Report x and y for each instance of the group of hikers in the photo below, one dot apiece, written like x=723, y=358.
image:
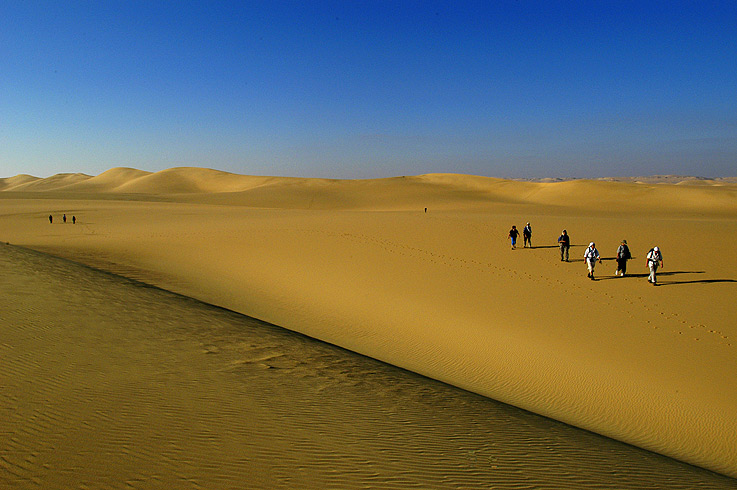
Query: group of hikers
x=591, y=256
x=63, y=218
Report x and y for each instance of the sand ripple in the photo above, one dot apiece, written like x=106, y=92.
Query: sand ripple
x=109, y=383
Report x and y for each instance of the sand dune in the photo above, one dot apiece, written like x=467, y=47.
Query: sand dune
x=107, y=384
x=12, y=182
x=54, y=183
x=109, y=181
x=360, y=264
x=446, y=191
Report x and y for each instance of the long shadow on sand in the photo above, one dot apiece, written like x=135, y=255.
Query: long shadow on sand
x=702, y=281
x=672, y=273
x=555, y=246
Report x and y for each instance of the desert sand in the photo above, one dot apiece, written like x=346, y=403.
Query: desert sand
x=362, y=265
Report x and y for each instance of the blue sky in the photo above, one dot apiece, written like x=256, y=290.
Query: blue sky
x=362, y=89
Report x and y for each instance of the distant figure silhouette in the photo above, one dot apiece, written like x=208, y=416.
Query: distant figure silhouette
x=426, y=210
x=64, y=218
x=74, y=220
x=51, y=219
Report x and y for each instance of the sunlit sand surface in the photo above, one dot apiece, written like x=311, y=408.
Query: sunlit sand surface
x=361, y=265
x=110, y=383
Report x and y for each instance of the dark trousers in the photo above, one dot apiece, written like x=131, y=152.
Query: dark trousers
x=564, y=250
x=622, y=265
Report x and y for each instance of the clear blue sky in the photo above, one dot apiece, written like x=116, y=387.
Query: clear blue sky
x=357, y=89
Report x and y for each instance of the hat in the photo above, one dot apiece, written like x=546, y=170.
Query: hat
x=656, y=249
x=624, y=241
x=564, y=232
x=592, y=244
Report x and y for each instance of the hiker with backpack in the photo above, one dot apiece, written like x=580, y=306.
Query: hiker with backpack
x=591, y=256
x=654, y=260
x=527, y=235
x=623, y=255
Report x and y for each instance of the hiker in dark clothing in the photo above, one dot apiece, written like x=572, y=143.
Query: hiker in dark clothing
x=623, y=255
x=527, y=235
x=51, y=219
x=565, y=244
x=513, y=234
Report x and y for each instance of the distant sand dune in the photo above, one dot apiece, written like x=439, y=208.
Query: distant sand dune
x=54, y=183
x=109, y=181
x=360, y=264
x=438, y=191
x=12, y=182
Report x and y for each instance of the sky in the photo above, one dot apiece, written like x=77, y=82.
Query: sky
x=367, y=89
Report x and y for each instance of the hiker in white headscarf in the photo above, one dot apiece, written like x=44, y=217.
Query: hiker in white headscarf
x=654, y=259
x=591, y=256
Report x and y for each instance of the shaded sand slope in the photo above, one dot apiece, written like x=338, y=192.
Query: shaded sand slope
x=442, y=294
x=107, y=383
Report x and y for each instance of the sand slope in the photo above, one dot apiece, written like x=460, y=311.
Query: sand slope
x=60, y=181
x=12, y=182
x=108, y=384
x=360, y=264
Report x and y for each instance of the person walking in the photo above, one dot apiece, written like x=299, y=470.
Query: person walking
x=591, y=256
x=564, y=241
x=527, y=235
x=64, y=218
x=513, y=234
x=51, y=219
x=74, y=220
x=654, y=260
x=623, y=255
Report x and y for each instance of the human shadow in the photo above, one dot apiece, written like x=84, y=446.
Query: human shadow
x=668, y=273
x=553, y=246
x=700, y=281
